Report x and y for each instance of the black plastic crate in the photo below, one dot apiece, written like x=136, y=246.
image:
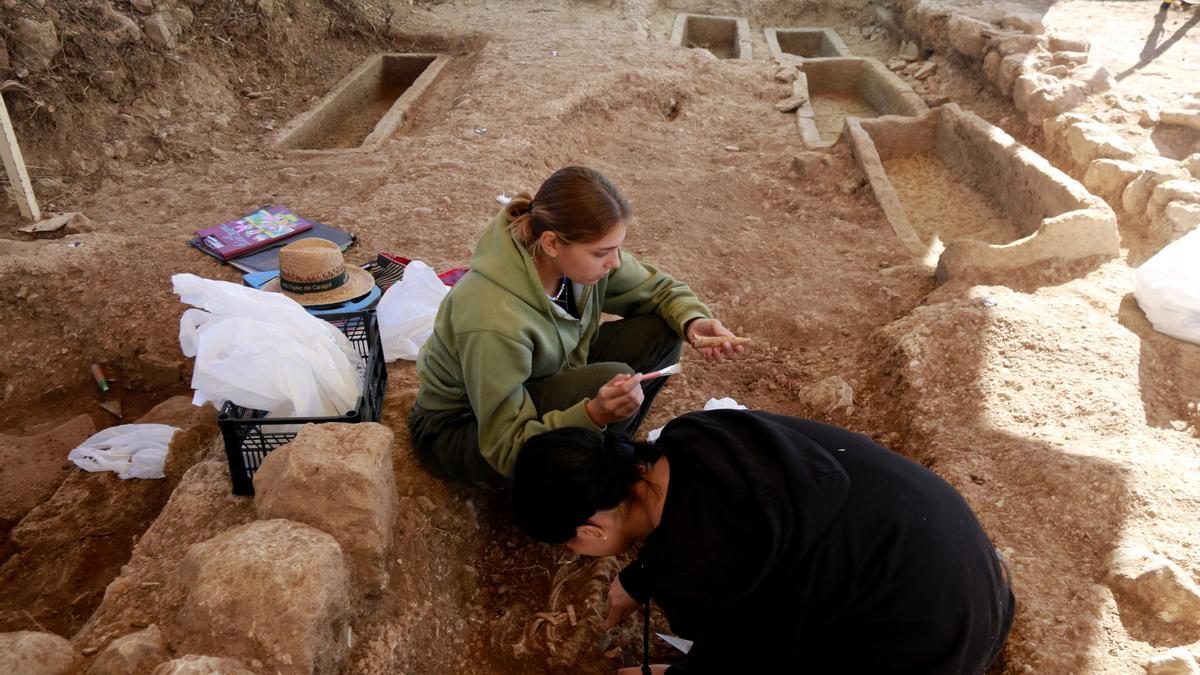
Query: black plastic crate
x=250, y=436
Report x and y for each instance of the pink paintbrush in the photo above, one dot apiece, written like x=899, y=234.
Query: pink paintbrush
x=669, y=370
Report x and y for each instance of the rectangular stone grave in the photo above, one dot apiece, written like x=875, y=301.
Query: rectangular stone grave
x=807, y=43
x=838, y=88
x=964, y=195
x=727, y=37
x=366, y=107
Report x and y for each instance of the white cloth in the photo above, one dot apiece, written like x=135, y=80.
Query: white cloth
x=712, y=404
x=131, y=450
x=264, y=351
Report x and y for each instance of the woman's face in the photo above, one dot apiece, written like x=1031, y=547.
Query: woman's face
x=589, y=263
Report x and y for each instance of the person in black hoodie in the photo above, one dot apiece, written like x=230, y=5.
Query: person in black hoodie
x=776, y=544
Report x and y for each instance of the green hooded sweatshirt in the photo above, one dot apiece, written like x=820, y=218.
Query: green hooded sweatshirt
x=497, y=331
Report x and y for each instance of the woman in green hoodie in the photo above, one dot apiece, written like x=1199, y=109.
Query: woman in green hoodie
x=518, y=347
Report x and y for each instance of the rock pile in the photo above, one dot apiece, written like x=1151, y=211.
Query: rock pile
x=1047, y=76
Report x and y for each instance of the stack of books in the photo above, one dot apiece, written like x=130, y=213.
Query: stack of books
x=251, y=243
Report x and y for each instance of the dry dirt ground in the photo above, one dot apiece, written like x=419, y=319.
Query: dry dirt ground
x=1065, y=420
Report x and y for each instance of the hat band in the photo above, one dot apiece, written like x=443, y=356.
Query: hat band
x=314, y=286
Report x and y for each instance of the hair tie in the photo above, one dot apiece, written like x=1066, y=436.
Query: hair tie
x=626, y=450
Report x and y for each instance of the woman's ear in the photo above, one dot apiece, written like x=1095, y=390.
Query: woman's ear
x=590, y=532
x=550, y=243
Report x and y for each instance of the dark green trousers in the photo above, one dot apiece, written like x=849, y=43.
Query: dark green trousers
x=447, y=441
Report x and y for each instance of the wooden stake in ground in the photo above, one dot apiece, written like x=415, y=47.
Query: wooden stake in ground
x=14, y=166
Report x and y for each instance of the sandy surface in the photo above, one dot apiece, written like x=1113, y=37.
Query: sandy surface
x=942, y=207
x=831, y=111
x=1146, y=50
x=1064, y=419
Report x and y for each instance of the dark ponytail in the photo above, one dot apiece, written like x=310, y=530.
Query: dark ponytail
x=563, y=477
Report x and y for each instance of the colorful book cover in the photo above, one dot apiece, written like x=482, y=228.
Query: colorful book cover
x=252, y=232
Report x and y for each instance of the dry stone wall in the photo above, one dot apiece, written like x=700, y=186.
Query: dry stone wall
x=338, y=479
x=227, y=584
x=1048, y=76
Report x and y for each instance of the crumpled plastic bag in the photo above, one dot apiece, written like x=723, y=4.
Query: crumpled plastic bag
x=263, y=351
x=712, y=404
x=131, y=450
x=1167, y=288
x=407, y=310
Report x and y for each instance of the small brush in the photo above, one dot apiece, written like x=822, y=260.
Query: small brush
x=669, y=370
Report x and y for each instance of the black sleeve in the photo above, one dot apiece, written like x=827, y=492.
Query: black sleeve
x=636, y=581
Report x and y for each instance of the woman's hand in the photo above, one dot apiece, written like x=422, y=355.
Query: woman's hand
x=616, y=401
x=620, y=604
x=712, y=328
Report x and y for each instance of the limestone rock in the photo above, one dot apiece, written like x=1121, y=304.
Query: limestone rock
x=1177, y=661
x=1182, y=116
x=134, y=654
x=808, y=163
x=31, y=653
x=1180, y=189
x=1089, y=141
x=1175, y=220
x=1057, y=72
x=1094, y=77
x=830, y=394
x=1010, y=44
x=909, y=51
x=967, y=36
x=143, y=6
x=1149, y=114
x=200, y=508
x=1068, y=58
x=791, y=103
x=1068, y=43
x=124, y=30
x=1012, y=67
x=1144, y=581
x=1192, y=163
x=1028, y=83
x=1053, y=100
x=1026, y=23
x=1107, y=178
x=202, y=665
x=1137, y=194
x=1054, y=130
x=272, y=590
x=35, y=44
x=991, y=67
x=183, y=15
x=162, y=29
x=927, y=69
x=787, y=74
x=337, y=478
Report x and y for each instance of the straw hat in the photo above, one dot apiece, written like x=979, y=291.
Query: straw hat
x=313, y=272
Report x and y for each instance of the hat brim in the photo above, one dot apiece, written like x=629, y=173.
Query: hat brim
x=360, y=283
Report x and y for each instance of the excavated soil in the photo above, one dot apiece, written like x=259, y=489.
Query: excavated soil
x=941, y=205
x=831, y=110
x=1065, y=420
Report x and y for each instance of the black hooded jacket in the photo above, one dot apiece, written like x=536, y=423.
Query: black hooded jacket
x=788, y=545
